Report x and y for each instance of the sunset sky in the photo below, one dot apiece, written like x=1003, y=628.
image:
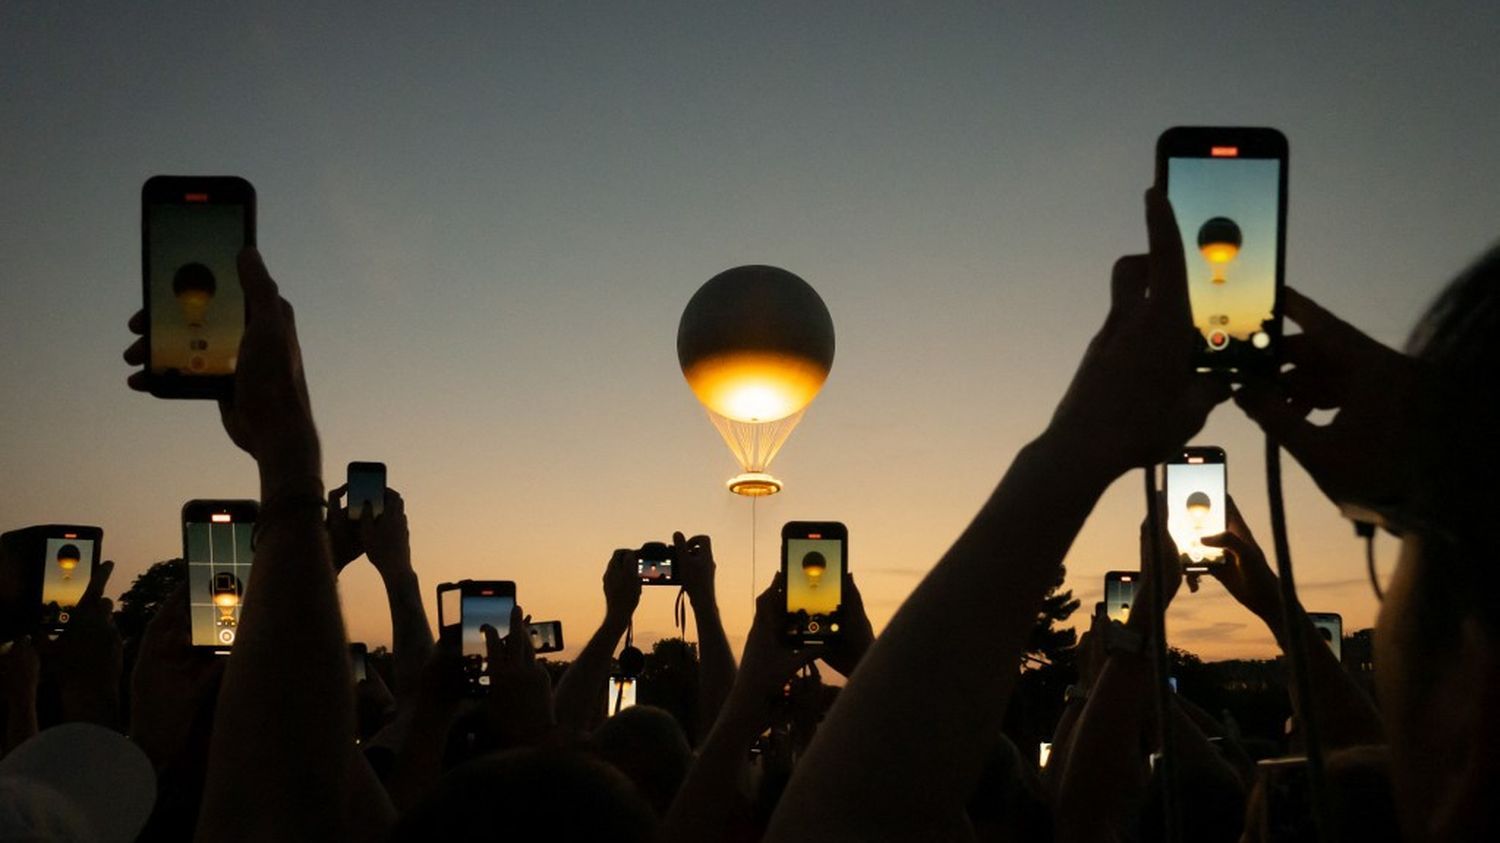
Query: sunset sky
x=490, y=219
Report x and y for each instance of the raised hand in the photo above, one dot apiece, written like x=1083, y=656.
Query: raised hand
x=695, y=568
x=844, y=652
x=88, y=659
x=268, y=415
x=387, y=540
x=20, y=672
x=1364, y=457
x=343, y=532
x=1135, y=396
x=622, y=586
x=768, y=662
x=520, y=698
x=1244, y=571
x=172, y=681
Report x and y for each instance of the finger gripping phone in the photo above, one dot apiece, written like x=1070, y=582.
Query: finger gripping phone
x=44, y=571
x=464, y=607
x=218, y=542
x=1119, y=594
x=366, y=489
x=814, y=558
x=1196, y=488
x=655, y=562
x=192, y=231
x=1228, y=188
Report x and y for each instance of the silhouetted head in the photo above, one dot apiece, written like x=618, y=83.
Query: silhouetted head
x=647, y=745
x=532, y=793
x=1438, y=634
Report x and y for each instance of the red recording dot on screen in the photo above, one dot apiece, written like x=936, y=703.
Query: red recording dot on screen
x=70, y=535
x=1224, y=151
x=815, y=535
x=195, y=197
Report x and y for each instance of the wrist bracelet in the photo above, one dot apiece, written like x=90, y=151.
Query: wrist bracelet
x=305, y=494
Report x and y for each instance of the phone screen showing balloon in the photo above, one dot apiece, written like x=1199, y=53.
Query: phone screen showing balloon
x=218, y=538
x=1227, y=189
x=813, y=564
x=1119, y=594
x=68, y=559
x=1196, y=504
x=193, y=232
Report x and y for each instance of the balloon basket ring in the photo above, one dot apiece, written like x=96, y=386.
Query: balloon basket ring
x=754, y=484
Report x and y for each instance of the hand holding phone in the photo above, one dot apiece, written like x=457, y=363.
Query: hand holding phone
x=466, y=606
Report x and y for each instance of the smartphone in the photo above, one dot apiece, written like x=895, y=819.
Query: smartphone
x=218, y=542
x=1330, y=626
x=621, y=694
x=1197, y=484
x=546, y=636
x=43, y=573
x=366, y=488
x=192, y=231
x=359, y=661
x=1228, y=189
x=1119, y=594
x=814, y=557
x=465, y=606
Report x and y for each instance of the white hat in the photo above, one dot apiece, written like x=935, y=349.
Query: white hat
x=76, y=781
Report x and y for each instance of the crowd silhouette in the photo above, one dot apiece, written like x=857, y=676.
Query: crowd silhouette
x=278, y=740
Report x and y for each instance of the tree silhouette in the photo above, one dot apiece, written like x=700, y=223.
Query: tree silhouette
x=1048, y=643
x=139, y=602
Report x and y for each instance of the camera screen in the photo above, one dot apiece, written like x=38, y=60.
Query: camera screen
x=1195, y=508
x=1330, y=628
x=480, y=609
x=1119, y=596
x=814, y=583
x=366, y=488
x=218, y=555
x=621, y=695
x=1227, y=210
x=654, y=569
x=66, y=565
x=197, y=307
x=544, y=637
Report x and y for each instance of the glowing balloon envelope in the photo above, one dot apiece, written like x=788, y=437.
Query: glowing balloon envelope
x=814, y=565
x=1219, y=240
x=1198, y=506
x=756, y=345
x=67, y=559
x=194, y=286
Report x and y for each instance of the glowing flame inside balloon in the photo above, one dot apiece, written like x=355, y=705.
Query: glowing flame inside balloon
x=194, y=286
x=813, y=565
x=756, y=345
x=1219, y=240
x=226, y=591
x=67, y=559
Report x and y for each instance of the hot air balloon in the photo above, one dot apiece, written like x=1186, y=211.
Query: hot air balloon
x=1219, y=240
x=226, y=591
x=194, y=286
x=1198, y=506
x=756, y=345
x=813, y=565
x=67, y=559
